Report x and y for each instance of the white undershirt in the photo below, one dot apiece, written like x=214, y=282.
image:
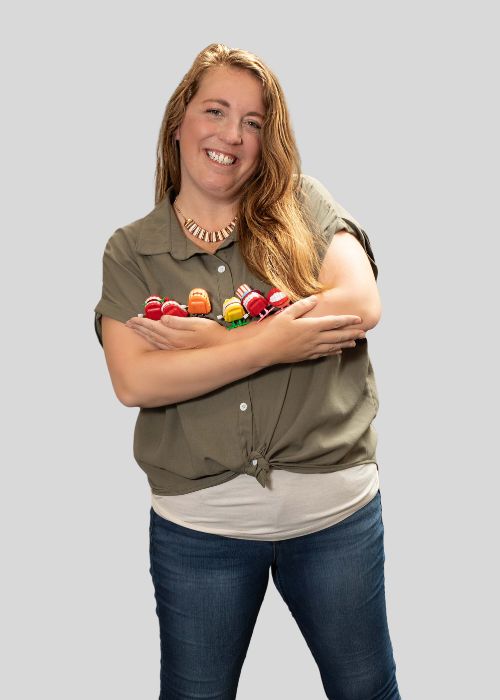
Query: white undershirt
x=293, y=504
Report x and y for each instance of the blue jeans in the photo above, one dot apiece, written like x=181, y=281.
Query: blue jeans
x=209, y=589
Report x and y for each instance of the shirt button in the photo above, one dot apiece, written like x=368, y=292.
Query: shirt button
x=221, y=268
x=254, y=462
x=243, y=407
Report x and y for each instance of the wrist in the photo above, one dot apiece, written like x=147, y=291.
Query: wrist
x=252, y=329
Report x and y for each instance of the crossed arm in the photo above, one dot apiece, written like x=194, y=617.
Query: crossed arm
x=146, y=377
x=353, y=289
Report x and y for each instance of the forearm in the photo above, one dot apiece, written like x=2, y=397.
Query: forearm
x=333, y=302
x=253, y=329
x=163, y=377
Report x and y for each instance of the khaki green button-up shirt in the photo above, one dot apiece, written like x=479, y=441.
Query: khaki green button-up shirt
x=313, y=416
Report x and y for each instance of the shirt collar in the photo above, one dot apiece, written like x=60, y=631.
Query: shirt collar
x=161, y=232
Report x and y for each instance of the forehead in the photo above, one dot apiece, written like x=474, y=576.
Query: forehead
x=226, y=82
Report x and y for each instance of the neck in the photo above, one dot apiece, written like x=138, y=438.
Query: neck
x=209, y=213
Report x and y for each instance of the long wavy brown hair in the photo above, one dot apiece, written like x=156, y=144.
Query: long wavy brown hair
x=278, y=239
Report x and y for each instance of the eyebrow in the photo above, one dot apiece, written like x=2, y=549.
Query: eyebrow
x=225, y=103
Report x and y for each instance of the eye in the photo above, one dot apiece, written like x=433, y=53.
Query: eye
x=216, y=112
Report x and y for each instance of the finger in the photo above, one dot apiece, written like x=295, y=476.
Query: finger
x=138, y=329
x=341, y=336
x=326, y=354
x=160, y=346
x=329, y=348
x=144, y=333
x=336, y=321
x=182, y=323
x=139, y=322
x=327, y=343
x=153, y=331
x=300, y=307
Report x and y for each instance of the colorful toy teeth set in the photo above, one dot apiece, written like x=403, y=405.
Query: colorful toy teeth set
x=198, y=305
x=246, y=305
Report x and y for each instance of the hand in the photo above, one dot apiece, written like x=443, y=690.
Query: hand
x=177, y=332
x=290, y=338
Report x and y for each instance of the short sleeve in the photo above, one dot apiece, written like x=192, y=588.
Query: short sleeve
x=123, y=287
x=332, y=217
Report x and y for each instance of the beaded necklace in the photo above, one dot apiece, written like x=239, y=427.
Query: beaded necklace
x=209, y=236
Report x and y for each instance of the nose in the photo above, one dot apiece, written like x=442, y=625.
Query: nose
x=231, y=132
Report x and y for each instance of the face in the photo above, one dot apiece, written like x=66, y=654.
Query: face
x=233, y=129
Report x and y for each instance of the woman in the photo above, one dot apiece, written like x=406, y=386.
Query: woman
x=257, y=441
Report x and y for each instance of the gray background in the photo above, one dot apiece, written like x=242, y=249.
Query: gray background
x=393, y=110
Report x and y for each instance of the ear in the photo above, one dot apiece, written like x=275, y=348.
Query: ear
x=176, y=134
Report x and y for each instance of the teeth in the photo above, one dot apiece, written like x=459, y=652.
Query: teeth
x=277, y=296
x=213, y=155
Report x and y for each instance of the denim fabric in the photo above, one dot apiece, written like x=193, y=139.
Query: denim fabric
x=209, y=589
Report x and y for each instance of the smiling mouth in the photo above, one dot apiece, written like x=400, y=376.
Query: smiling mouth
x=217, y=162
